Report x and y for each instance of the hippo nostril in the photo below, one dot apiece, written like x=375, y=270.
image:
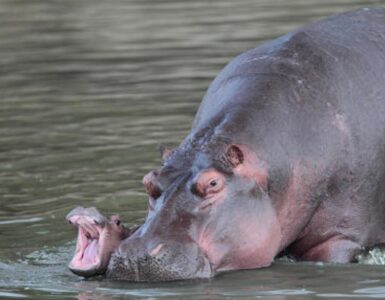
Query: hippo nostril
x=156, y=250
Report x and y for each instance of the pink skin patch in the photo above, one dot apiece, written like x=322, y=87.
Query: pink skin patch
x=294, y=209
x=156, y=250
x=252, y=241
x=336, y=249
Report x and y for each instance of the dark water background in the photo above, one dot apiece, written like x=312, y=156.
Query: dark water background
x=88, y=90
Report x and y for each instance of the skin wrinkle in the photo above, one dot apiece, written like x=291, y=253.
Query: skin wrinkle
x=296, y=202
x=254, y=75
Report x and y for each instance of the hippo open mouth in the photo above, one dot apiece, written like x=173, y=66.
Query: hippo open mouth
x=98, y=237
x=87, y=254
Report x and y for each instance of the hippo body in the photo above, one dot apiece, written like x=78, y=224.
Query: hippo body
x=286, y=153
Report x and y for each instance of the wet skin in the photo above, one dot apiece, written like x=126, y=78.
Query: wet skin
x=286, y=153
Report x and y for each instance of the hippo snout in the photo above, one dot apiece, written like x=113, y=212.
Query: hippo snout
x=136, y=261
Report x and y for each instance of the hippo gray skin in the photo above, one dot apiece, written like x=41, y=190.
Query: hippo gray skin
x=286, y=154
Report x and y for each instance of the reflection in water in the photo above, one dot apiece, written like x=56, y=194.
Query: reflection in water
x=89, y=90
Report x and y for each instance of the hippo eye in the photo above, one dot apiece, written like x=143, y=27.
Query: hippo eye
x=208, y=183
x=117, y=222
x=213, y=183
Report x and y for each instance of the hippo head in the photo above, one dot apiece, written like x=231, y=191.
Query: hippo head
x=98, y=237
x=208, y=212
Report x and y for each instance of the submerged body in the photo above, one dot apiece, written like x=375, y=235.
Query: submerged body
x=286, y=152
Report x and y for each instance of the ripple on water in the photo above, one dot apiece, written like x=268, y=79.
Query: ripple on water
x=21, y=221
x=11, y=295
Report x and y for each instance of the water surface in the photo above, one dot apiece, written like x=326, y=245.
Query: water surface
x=88, y=91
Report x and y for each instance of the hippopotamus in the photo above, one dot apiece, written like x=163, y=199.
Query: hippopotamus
x=286, y=154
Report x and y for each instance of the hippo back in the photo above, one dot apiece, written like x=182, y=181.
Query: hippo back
x=310, y=93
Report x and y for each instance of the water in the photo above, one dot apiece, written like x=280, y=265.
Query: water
x=88, y=91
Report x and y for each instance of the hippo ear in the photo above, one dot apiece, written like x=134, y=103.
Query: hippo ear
x=165, y=152
x=234, y=156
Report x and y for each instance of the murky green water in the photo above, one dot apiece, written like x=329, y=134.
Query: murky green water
x=88, y=90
